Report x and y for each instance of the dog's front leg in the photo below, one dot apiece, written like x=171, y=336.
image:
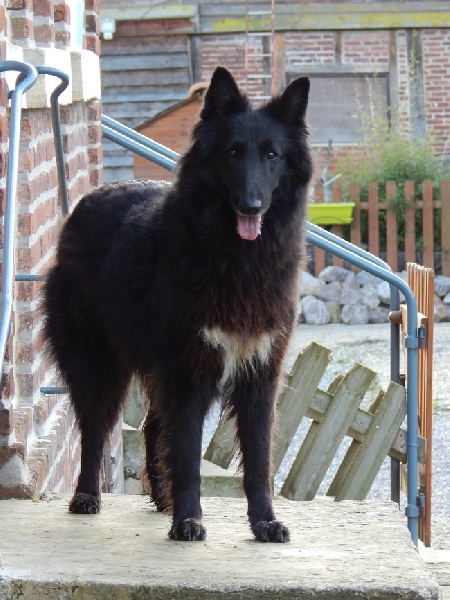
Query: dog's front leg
x=184, y=437
x=254, y=400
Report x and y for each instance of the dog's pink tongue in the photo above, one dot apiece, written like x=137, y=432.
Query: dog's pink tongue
x=249, y=227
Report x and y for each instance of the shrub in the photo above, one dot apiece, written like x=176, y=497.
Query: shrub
x=389, y=155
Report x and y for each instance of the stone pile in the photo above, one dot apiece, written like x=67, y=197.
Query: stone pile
x=338, y=295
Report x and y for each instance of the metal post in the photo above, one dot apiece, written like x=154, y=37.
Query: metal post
x=10, y=216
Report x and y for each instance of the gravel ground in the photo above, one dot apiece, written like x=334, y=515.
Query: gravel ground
x=370, y=346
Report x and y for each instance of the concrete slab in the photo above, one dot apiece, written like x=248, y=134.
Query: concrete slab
x=338, y=551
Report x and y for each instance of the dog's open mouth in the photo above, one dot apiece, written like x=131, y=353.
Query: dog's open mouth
x=249, y=227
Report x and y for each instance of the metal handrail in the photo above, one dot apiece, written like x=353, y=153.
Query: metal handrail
x=139, y=138
x=26, y=79
x=395, y=332
x=411, y=344
x=56, y=123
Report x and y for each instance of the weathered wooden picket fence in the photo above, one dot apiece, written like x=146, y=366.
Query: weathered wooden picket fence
x=334, y=414
x=370, y=238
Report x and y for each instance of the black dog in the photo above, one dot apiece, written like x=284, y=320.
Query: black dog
x=193, y=287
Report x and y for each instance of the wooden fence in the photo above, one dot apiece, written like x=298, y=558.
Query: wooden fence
x=334, y=414
x=369, y=214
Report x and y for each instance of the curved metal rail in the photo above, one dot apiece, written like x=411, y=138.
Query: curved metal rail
x=26, y=79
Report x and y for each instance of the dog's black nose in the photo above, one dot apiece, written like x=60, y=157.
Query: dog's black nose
x=252, y=206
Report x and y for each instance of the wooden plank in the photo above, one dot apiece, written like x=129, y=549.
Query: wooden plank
x=410, y=225
x=319, y=254
x=428, y=225
x=374, y=230
x=360, y=425
x=445, y=227
x=346, y=464
x=374, y=447
x=291, y=407
x=145, y=63
x=336, y=196
x=355, y=227
x=215, y=18
x=221, y=449
x=314, y=458
x=391, y=228
x=293, y=403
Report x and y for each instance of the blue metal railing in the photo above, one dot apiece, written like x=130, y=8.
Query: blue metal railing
x=26, y=79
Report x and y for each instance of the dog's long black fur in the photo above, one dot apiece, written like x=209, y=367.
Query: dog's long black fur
x=193, y=287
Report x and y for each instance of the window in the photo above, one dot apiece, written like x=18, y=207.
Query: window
x=339, y=105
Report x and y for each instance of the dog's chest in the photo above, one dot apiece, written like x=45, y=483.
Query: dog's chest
x=238, y=351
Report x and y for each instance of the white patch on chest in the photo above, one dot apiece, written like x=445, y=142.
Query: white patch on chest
x=238, y=351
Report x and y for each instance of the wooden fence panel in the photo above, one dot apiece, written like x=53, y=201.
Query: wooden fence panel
x=410, y=226
x=391, y=227
x=374, y=229
x=428, y=225
x=391, y=245
x=336, y=196
x=319, y=254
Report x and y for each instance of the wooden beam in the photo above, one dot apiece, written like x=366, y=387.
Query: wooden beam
x=215, y=18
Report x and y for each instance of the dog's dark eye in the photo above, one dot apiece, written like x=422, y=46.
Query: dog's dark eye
x=232, y=152
x=271, y=154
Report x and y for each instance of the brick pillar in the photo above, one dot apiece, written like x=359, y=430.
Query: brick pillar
x=43, y=23
x=92, y=26
x=62, y=23
x=20, y=15
x=95, y=147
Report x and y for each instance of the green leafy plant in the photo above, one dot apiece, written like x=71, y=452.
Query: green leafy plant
x=391, y=154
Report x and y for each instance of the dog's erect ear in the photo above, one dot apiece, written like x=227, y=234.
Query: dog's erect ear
x=290, y=107
x=223, y=96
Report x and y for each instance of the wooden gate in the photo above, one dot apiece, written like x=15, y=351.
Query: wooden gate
x=334, y=414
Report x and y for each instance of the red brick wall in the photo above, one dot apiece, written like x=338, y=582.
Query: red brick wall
x=39, y=442
x=368, y=51
x=436, y=48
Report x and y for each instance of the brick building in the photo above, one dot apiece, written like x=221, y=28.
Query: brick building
x=39, y=445
x=356, y=52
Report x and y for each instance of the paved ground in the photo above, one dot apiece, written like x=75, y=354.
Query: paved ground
x=338, y=551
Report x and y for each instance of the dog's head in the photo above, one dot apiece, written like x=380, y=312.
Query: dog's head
x=251, y=152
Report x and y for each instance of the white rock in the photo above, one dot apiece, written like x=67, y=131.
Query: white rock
x=330, y=291
x=314, y=311
x=310, y=285
x=355, y=314
x=333, y=274
x=440, y=311
x=378, y=315
x=442, y=285
x=351, y=293
x=365, y=278
x=370, y=296
x=334, y=309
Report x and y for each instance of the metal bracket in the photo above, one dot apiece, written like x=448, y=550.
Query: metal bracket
x=422, y=337
x=412, y=341
x=412, y=510
x=421, y=501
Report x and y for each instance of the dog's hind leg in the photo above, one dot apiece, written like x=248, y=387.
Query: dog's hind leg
x=253, y=401
x=157, y=474
x=97, y=384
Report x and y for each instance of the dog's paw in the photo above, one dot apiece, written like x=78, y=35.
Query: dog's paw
x=271, y=531
x=188, y=530
x=85, y=504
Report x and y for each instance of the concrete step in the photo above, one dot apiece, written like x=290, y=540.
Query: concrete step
x=338, y=551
